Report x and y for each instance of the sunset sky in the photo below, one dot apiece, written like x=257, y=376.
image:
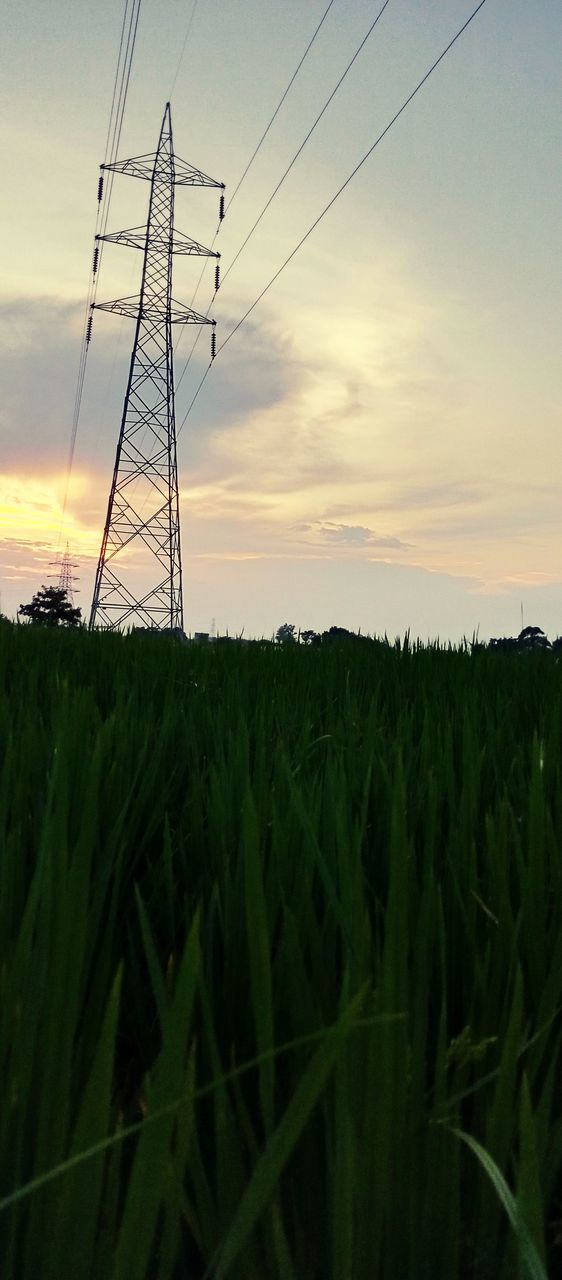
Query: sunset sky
x=380, y=445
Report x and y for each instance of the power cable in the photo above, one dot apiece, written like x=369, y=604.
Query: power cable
x=115, y=82
x=184, y=47
x=352, y=174
x=306, y=138
x=116, y=116
x=332, y=201
x=287, y=170
x=284, y=175
x=242, y=178
x=292, y=162
x=106, y=150
x=117, y=130
x=279, y=104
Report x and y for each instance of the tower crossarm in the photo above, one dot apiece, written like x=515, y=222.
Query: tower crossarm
x=178, y=313
x=185, y=175
x=135, y=238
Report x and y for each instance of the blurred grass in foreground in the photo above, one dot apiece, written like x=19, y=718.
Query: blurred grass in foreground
x=278, y=926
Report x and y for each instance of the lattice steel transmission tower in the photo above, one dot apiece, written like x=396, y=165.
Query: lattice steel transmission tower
x=143, y=507
x=64, y=575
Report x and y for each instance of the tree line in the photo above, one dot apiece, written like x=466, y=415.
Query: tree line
x=50, y=607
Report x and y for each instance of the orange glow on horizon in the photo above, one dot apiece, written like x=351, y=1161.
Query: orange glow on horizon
x=31, y=512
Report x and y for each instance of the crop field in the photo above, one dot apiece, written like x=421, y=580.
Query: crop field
x=280, y=961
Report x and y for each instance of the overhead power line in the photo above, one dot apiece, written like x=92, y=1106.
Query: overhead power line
x=279, y=104
x=115, y=82
x=352, y=175
x=333, y=199
x=243, y=176
x=125, y=54
x=307, y=137
x=184, y=47
x=277, y=188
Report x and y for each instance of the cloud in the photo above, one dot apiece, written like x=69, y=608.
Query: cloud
x=27, y=323
x=39, y=350
x=40, y=339
x=359, y=535
x=351, y=535
x=330, y=432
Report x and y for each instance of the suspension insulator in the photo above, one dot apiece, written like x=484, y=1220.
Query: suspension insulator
x=221, y=208
x=217, y=276
x=100, y=187
x=89, y=328
x=96, y=258
x=213, y=345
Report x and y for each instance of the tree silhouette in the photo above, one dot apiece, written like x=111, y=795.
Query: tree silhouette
x=285, y=634
x=50, y=607
x=529, y=640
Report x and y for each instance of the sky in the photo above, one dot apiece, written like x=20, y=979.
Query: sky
x=379, y=446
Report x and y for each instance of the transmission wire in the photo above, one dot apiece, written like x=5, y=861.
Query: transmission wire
x=279, y=104
x=331, y=202
x=241, y=180
x=107, y=154
x=115, y=82
x=106, y=148
x=117, y=137
x=184, y=47
x=306, y=139
x=284, y=175
x=103, y=213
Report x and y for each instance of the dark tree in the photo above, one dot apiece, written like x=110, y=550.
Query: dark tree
x=528, y=641
x=51, y=608
x=285, y=634
x=310, y=637
x=532, y=638
x=338, y=633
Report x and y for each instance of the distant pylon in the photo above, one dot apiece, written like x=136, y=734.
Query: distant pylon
x=65, y=577
x=143, y=507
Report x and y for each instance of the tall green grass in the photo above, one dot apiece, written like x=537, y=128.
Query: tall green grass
x=280, y=961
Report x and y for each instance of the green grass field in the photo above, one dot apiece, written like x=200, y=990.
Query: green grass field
x=280, y=961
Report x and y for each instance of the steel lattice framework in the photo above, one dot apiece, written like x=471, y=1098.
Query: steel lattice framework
x=64, y=575
x=144, y=499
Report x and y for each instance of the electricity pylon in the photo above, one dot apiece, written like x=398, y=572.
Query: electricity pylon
x=143, y=507
x=65, y=577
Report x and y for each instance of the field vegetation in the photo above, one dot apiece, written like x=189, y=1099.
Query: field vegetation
x=280, y=961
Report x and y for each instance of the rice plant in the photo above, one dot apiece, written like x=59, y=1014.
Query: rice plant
x=280, y=961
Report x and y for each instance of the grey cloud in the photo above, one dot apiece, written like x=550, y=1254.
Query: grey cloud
x=39, y=353
x=359, y=535
x=352, y=535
